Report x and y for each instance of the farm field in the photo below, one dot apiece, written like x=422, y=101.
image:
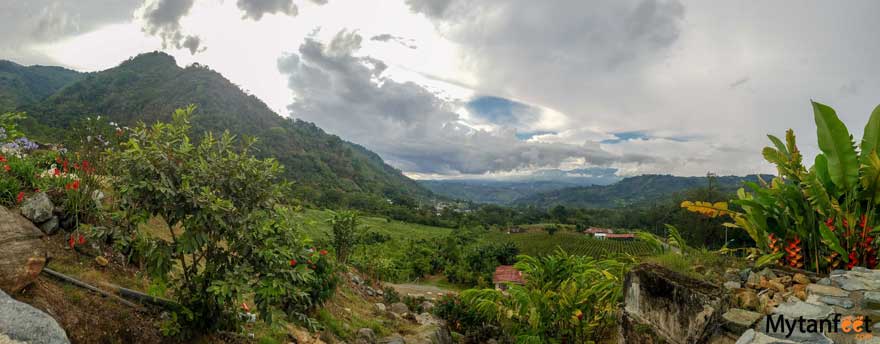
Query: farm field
x=540, y=243
x=315, y=224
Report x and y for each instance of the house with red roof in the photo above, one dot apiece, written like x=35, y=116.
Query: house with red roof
x=506, y=274
x=595, y=230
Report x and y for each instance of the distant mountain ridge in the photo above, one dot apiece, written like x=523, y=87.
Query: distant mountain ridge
x=631, y=191
x=150, y=86
x=491, y=191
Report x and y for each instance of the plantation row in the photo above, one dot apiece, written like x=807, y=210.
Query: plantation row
x=540, y=244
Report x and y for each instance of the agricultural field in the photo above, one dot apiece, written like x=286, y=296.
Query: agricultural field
x=540, y=243
x=315, y=224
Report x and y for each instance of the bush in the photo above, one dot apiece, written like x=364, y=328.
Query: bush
x=227, y=236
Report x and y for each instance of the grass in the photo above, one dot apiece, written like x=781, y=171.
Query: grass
x=539, y=243
x=315, y=224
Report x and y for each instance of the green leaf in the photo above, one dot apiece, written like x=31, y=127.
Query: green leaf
x=870, y=178
x=830, y=240
x=768, y=259
x=836, y=143
x=779, y=145
x=871, y=137
x=816, y=193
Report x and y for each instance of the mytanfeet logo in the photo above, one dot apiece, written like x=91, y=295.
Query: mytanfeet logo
x=857, y=325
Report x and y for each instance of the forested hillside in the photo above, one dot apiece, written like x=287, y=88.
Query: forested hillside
x=631, y=191
x=20, y=85
x=325, y=169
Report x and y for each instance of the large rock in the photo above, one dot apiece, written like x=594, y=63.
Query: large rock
x=37, y=208
x=399, y=308
x=23, y=252
x=365, y=336
x=739, y=320
x=50, y=226
x=664, y=306
x=21, y=322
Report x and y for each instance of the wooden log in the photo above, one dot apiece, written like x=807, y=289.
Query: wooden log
x=87, y=286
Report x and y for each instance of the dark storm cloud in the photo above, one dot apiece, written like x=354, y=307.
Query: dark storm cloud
x=405, y=123
x=162, y=19
x=255, y=9
x=40, y=21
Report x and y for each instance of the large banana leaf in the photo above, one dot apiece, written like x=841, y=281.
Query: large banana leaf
x=871, y=177
x=817, y=194
x=836, y=143
x=871, y=137
x=821, y=169
x=831, y=240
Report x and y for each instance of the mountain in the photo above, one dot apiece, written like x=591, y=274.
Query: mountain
x=20, y=85
x=150, y=86
x=489, y=191
x=631, y=191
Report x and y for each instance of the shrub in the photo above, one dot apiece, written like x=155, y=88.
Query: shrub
x=226, y=234
x=345, y=227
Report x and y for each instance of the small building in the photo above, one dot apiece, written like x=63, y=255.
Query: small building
x=595, y=230
x=506, y=274
x=625, y=237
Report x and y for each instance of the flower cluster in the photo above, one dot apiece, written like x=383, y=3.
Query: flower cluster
x=74, y=240
x=312, y=260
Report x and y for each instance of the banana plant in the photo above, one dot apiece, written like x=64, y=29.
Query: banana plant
x=823, y=215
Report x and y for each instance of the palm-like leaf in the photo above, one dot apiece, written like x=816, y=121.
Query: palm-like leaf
x=837, y=146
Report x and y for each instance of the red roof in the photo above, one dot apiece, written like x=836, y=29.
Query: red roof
x=620, y=236
x=594, y=230
x=507, y=273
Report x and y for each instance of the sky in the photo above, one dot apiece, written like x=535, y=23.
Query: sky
x=504, y=88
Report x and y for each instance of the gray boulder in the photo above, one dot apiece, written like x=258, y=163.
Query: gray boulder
x=37, y=208
x=50, y=226
x=396, y=339
x=21, y=322
x=427, y=306
x=399, y=308
x=365, y=336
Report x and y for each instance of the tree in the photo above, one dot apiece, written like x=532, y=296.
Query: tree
x=226, y=234
x=345, y=232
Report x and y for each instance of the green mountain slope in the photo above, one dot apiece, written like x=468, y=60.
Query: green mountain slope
x=492, y=192
x=20, y=85
x=630, y=191
x=149, y=87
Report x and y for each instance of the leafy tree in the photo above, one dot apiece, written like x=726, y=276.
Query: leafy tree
x=345, y=232
x=226, y=234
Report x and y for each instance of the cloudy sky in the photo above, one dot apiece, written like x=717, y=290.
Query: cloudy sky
x=498, y=88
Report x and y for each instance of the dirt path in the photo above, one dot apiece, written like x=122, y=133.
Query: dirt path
x=428, y=291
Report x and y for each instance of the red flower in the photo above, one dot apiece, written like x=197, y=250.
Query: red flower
x=75, y=166
x=293, y=262
x=75, y=185
x=82, y=239
x=64, y=166
x=20, y=196
x=7, y=168
x=323, y=252
x=58, y=159
x=245, y=307
x=56, y=172
x=85, y=165
x=2, y=158
x=71, y=242
x=37, y=190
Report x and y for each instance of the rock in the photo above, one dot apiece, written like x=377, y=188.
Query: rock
x=380, y=292
x=399, y=308
x=753, y=280
x=793, y=310
x=425, y=319
x=380, y=307
x=739, y=320
x=101, y=261
x=776, y=285
x=747, y=298
x=355, y=278
x=19, y=321
x=837, y=301
x=824, y=281
x=799, y=291
x=50, y=226
x=744, y=274
x=23, y=252
x=732, y=285
x=652, y=292
x=786, y=280
x=370, y=291
x=871, y=300
x=752, y=337
x=824, y=290
x=68, y=223
x=396, y=339
x=37, y=208
x=767, y=273
x=427, y=306
x=365, y=336
x=800, y=278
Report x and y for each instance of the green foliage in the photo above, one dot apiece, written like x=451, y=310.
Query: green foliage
x=566, y=298
x=228, y=236
x=345, y=232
